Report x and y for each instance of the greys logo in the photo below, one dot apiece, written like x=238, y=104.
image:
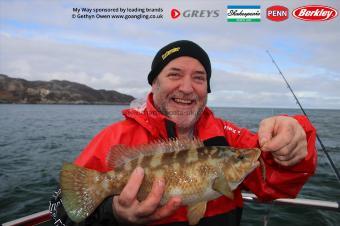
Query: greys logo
x=195, y=13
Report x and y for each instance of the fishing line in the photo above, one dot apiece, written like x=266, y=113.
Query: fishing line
x=271, y=207
x=266, y=217
x=298, y=102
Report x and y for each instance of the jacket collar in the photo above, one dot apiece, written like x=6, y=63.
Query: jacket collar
x=155, y=122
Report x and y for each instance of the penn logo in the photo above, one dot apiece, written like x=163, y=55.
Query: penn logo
x=315, y=13
x=277, y=13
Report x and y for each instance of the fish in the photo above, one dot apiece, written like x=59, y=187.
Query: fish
x=195, y=172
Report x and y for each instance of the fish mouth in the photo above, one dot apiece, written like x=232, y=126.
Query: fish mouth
x=257, y=154
x=256, y=164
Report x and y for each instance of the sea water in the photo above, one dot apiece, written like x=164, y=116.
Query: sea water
x=36, y=139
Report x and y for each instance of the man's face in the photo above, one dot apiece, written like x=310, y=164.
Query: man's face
x=180, y=91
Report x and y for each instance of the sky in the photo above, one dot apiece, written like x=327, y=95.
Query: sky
x=40, y=40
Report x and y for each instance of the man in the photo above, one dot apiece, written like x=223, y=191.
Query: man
x=176, y=108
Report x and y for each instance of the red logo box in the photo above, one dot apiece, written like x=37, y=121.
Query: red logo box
x=277, y=13
x=315, y=13
x=175, y=13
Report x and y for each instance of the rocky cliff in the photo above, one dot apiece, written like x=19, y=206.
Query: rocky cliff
x=15, y=90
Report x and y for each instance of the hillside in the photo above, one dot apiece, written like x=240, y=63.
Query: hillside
x=15, y=90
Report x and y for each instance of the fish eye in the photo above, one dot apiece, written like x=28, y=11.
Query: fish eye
x=241, y=157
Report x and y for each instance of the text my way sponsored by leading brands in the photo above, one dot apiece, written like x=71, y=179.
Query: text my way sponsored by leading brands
x=117, y=13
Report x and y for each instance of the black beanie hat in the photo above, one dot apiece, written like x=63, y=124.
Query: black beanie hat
x=175, y=50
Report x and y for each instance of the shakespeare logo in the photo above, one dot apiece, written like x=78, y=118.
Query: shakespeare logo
x=243, y=13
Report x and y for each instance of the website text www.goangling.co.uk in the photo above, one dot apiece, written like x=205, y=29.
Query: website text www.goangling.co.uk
x=118, y=13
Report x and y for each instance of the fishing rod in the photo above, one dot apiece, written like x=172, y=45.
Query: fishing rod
x=298, y=102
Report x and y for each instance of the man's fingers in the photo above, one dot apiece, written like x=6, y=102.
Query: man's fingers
x=283, y=138
x=289, y=162
x=284, y=154
x=117, y=209
x=293, y=157
x=168, y=209
x=150, y=204
x=127, y=208
x=129, y=192
x=266, y=129
x=289, y=151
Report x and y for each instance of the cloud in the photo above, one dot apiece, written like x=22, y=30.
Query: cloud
x=47, y=60
x=41, y=41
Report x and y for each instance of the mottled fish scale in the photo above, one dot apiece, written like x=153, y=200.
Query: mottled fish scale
x=184, y=173
x=195, y=173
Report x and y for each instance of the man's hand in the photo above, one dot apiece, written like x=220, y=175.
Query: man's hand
x=285, y=138
x=128, y=209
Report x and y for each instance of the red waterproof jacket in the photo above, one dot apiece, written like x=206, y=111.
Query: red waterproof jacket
x=146, y=125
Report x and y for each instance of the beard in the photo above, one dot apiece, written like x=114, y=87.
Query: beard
x=184, y=116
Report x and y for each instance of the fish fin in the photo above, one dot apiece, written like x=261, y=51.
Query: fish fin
x=81, y=191
x=196, y=212
x=222, y=186
x=120, y=154
x=233, y=183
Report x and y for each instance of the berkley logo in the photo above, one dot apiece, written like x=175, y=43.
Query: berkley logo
x=277, y=13
x=315, y=13
x=175, y=13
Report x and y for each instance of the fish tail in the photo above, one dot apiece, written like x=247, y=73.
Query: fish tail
x=82, y=190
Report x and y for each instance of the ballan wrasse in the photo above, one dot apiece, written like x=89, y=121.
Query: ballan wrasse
x=195, y=173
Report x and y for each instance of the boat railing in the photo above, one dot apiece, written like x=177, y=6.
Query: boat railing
x=44, y=216
x=313, y=203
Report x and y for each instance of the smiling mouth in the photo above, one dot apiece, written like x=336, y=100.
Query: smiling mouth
x=183, y=101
